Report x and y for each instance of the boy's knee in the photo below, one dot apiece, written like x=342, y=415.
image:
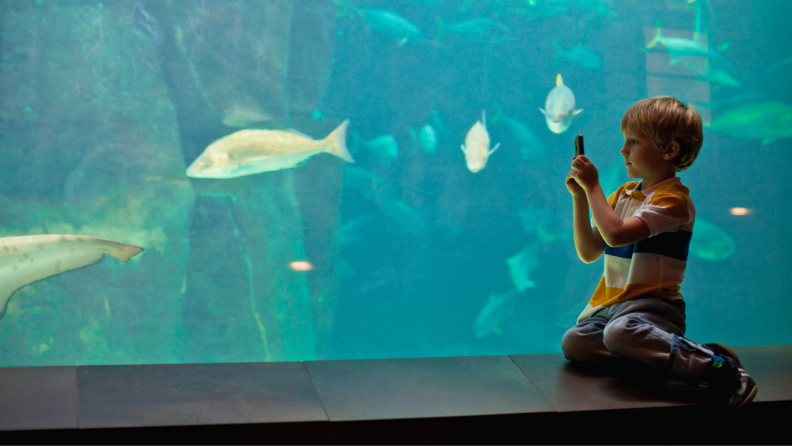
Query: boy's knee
x=574, y=346
x=616, y=336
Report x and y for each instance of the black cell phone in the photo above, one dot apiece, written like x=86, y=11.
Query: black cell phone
x=579, y=145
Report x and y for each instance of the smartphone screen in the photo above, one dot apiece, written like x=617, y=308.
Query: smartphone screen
x=579, y=145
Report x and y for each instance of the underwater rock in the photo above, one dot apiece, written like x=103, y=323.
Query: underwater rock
x=94, y=151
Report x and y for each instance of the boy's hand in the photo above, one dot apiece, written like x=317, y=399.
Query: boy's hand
x=572, y=185
x=584, y=173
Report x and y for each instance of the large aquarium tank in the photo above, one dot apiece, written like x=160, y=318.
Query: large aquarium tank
x=315, y=179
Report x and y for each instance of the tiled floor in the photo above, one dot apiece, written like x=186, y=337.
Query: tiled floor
x=38, y=398
x=424, y=387
x=195, y=394
x=328, y=391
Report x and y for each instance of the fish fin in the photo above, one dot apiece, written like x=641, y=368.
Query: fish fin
x=337, y=142
x=441, y=27
x=657, y=37
x=577, y=112
x=493, y=149
x=464, y=150
x=543, y=112
x=723, y=46
x=122, y=251
x=768, y=140
x=484, y=118
x=559, y=80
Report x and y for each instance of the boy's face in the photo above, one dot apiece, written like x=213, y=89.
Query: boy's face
x=643, y=160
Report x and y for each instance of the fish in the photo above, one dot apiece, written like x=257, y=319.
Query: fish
x=679, y=46
x=709, y=242
x=579, y=55
x=384, y=146
x=520, y=266
x=476, y=147
x=536, y=9
x=248, y=152
x=426, y=138
x=30, y=258
x=560, y=107
x=531, y=147
x=495, y=311
x=392, y=24
x=767, y=121
x=359, y=229
x=479, y=30
x=239, y=115
x=713, y=74
x=543, y=224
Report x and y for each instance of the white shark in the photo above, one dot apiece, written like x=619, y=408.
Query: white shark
x=27, y=259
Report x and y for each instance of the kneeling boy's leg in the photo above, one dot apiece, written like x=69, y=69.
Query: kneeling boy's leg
x=650, y=331
x=583, y=342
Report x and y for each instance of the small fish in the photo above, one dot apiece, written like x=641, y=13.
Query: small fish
x=478, y=30
x=384, y=147
x=679, y=46
x=713, y=75
x=579, y=55
x=27, y=259
x=240, y=116
x=543, y=224
x=248, y=152
x=767, y=121
x=391, y=23
x=495, y=311
x=709, y=242
x=426, y=138
x=531, y=147
x=560, y=107
x=520, y=266
x=537, y=9
x=476, y=147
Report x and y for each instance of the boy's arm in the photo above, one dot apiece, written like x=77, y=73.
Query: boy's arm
x=612, y=229
x=588, y=241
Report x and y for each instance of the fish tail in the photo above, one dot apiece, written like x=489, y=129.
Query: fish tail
x=657, y=37
x=124, y=252
x=336, y=142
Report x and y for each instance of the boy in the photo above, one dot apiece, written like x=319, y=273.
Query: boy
x=644, y=229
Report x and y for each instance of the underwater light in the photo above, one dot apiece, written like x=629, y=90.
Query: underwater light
x=739, y=211
x=301, y=266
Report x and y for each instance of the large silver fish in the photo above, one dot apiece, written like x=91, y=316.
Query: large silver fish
x=27, y=259
x=560, y=107
x=248, y=152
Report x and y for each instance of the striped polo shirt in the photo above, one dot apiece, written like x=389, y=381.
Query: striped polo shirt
x=654, y=266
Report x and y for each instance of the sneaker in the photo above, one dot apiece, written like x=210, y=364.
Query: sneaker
x=730, y=383
x=722, y=350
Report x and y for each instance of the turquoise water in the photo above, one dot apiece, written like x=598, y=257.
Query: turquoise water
x=406, y=252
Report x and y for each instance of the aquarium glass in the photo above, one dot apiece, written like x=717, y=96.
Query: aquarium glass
x=317, y=179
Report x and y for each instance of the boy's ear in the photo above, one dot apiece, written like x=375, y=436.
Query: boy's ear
x=671, y=151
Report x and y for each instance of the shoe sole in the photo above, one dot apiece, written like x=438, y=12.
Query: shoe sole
x=747, y=400
x=728, y=351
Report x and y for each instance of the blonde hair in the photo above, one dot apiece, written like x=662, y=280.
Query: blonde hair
x=666, y=120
